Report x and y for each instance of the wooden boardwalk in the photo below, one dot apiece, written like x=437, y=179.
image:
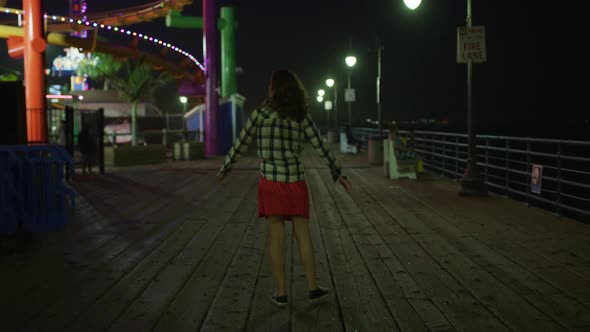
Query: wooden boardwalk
x=167, y=249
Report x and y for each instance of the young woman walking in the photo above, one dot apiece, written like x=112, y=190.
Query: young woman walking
x=282, y=125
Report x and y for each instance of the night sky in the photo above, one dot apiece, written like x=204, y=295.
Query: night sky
x=524, y=81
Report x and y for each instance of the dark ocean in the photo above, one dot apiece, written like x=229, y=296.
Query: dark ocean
x=574, y=131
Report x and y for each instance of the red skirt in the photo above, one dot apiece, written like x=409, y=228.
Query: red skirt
x=283, y=198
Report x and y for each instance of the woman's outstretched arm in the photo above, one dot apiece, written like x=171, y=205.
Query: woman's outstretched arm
x=313, y=136
x=241, y=143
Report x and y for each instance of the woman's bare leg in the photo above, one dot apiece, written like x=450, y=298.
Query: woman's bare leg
x=303, y=236
x=276, y=247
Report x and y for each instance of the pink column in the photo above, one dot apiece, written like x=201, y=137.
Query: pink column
x=211, y=60
x=34, y=46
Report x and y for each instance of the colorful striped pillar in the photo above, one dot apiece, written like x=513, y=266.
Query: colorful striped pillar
x=34, y=46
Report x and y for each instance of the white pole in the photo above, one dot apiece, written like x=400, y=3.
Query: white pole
x=379, y=88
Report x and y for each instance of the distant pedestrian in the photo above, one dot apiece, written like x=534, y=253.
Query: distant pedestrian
x=282, y=125
x=350, y=139
x=61, y=132
x=87, y=144
x=402, y=149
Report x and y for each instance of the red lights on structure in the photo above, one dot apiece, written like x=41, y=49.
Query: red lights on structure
x=64, y=97
x=67, y=97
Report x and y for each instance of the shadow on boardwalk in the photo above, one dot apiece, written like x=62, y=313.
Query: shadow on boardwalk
x=165, y=248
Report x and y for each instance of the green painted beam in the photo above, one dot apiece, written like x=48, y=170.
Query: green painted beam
x=175, y=20
x=228, y=25
x=228, y=52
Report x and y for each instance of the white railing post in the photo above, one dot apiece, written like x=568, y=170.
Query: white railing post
x=559, y=153
x=444, y=153
x=507, y=167
x=528, y=171
x=487, y=159
x=457, y=156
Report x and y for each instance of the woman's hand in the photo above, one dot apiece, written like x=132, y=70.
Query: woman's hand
x=220, y=177
x=345, y=184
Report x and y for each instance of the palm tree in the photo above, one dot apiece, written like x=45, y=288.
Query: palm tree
x=100, y=66
x=9, y=74
x=139, y=85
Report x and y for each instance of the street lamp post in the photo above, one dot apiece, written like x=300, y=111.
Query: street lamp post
x=183, y=100
x=322, y=93
x=472, y=183
x=320, y=99
x=350, y=62
x=379, y=49
x=332, y=84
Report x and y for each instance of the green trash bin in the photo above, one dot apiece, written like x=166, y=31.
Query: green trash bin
x=375, y=152
x=178, y=151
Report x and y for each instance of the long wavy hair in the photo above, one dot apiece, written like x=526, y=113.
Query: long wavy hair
x=287, y=95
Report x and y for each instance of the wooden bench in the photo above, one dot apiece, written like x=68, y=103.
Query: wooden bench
x=394, y=168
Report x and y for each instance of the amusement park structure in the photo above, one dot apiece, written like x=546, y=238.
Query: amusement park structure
x=29, y=43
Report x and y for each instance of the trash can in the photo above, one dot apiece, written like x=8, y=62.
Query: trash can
x=178, y=151
x=332, y=138
x=375, y=152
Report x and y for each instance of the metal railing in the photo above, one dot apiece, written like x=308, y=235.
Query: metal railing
x=166, y=137
x=363, y=134
x=506, y=164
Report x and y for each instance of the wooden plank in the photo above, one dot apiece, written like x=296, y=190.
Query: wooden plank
x=109, y=306
x=496, y=296
x=191, y=304
x=265, y=315
x=537, y=229
x=568, y=312
x=41, y=299
x=512, y=263
x=324, y=316
x=364, y=236
x=395, y=287
x=353, y=310
x=94, y=280
x=72, y=251
x=230, y=308
x=153, y=283
x=461, y=310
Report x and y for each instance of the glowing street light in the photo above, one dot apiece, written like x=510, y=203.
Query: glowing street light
x=321, y=92
x=320, y=99
x=412, y=4
x=330, y=82
x=350, y=61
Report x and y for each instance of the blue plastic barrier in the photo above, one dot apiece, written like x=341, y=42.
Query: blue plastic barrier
x=11, y=204
x=33, y=191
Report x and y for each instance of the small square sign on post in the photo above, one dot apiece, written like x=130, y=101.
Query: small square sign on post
x=349, y=95
x=471, y=44
x=536, y=178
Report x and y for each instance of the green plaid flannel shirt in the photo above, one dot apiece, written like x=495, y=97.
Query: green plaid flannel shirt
x=280, y=143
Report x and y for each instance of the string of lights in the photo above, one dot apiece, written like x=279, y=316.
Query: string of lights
x=122, y=31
